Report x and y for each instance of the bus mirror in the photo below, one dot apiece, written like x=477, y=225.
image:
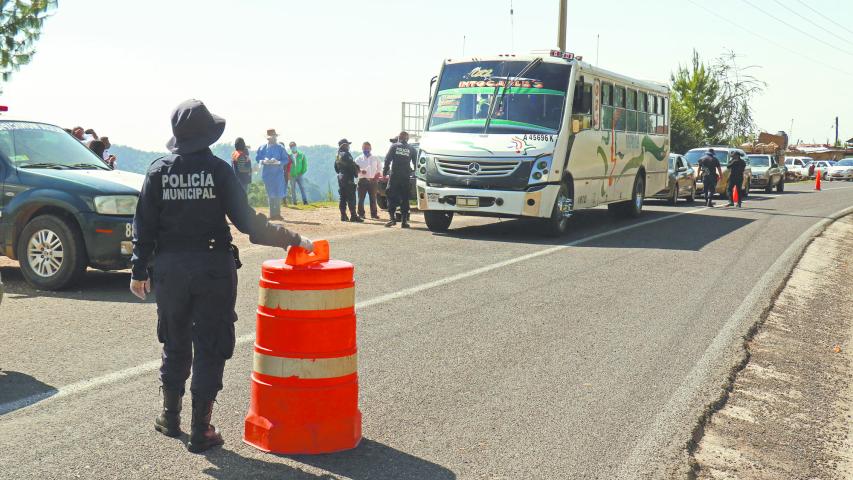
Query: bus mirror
x=576, y=125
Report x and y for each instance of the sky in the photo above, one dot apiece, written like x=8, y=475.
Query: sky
x=320, y=70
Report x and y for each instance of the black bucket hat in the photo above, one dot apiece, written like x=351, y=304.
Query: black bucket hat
x=194, y=128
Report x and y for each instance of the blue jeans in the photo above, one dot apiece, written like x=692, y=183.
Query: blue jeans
x=294, y=181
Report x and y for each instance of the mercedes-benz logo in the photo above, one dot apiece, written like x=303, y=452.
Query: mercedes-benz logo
x=474, y=168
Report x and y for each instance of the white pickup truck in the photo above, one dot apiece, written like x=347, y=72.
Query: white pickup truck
x=798, y=166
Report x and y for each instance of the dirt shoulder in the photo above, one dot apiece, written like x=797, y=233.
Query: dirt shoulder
x=788, y=415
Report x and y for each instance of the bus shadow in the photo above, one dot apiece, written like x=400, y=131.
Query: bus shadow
x=669, y=230
x=95, y=286
x=19, y=390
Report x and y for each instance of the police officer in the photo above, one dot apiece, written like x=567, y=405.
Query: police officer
x=711, y=172
x=347, y=171
x=181, y=217
x=401, y=163
x=736, y=167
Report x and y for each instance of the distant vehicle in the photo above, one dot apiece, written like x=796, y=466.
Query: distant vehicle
x=766, y=173
x=682, y=181
x=842, y=170
x=62, y=209
x=798, y=166
x=723, y=154
x=823, y=166
x=540, y=136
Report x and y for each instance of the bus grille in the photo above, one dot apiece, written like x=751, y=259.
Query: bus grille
x=476, y=168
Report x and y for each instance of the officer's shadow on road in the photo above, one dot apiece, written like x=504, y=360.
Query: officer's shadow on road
x=95, y=286
x=19, y=390
x=370, y=460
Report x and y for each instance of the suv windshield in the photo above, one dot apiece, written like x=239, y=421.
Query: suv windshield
x=693, y=156
x=759, y=160
x=35, y=145
x=533, y=104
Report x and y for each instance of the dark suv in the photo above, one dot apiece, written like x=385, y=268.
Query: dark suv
x=62, y=209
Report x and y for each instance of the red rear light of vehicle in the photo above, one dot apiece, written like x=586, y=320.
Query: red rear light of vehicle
x=4, y=108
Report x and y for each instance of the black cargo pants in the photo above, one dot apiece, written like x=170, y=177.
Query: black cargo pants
x=709, y=184
x=196, y=293
x=346, y=192
x=398, y=196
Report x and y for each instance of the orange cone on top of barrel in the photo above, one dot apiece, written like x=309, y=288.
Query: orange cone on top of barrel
x=304, y=395
x=817, y=180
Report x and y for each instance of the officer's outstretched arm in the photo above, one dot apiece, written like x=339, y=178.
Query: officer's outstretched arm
x=246, y=219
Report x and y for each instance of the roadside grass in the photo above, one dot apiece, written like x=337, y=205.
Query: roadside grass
x=313, y=206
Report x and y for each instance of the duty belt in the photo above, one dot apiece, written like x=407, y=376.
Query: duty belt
x=206, y=244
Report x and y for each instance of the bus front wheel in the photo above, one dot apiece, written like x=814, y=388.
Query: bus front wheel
x=558, y=223
x=438, y=221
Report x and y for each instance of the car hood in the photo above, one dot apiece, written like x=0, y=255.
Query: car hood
x=839, y=168
x=759, y=170
x=115, y=182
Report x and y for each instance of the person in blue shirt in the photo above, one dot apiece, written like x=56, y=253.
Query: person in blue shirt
x=273, y=159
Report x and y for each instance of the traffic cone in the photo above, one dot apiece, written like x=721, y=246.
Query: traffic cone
x=735, y=194
x=817, y=180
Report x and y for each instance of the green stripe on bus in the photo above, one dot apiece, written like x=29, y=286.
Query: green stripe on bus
x=512, y=91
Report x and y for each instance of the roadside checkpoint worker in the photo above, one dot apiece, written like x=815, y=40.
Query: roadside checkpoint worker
x=400, y=161
x=736, y=167
x=711, y=171
x=273, y=158
x=347, y=171
x=181, y=216
x=369, y=171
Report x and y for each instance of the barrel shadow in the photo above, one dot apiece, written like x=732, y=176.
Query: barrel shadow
x=19, y=390
x=370, y=460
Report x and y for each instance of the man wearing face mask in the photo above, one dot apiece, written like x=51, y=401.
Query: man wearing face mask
x=299, y=166
x=347, y=171
x=400, y=163
x=369, y=171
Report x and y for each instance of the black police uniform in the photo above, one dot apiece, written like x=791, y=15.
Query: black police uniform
x=347, y=171
x=709, y=165
x=736, y=168
x=400, y=161
x=181, y=217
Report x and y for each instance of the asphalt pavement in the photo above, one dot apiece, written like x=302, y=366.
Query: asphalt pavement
x=487, y=352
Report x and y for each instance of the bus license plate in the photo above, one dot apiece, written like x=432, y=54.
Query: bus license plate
x=468, y=202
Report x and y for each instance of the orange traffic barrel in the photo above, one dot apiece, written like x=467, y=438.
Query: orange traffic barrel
x=304, y=395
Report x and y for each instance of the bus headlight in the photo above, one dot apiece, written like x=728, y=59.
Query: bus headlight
x=540, y=168
x=116, y=204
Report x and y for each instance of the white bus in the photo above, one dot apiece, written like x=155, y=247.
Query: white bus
x=540, y=136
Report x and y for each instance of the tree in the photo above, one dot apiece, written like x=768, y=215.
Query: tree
x=686, y=131
x=718, y=96
x=20, y=26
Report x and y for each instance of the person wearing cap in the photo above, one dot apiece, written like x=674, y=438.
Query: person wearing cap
x=400, y=163
x=273, y=160
x=181, y=216
x=299, y=168
x=711, y=172
x=347, y=171
x=736, y=168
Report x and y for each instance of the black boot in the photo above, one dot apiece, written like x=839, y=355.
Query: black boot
x=169, y=421
x=406, y=221
x=203, y=435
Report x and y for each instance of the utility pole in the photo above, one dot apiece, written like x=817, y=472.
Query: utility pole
x=836, y=132
x=561, y=35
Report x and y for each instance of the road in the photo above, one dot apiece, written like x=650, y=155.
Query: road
x=488, y=352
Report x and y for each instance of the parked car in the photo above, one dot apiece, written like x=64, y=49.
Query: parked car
x=682, y=181
x=798, y=166
x=822, y=165
x=723, y=154
x=842, y=170
x=766, y=173
x=62, y=209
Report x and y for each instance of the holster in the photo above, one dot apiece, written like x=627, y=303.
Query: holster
x=236, y=253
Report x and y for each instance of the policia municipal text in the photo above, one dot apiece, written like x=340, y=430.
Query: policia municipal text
x=181, y=217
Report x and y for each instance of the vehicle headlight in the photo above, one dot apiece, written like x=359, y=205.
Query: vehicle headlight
x=540, y=169
x=116, y=204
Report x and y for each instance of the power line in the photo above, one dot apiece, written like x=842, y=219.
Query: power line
x=766, y=39
x=813, y=22
x=794, y=27
x=824, y=16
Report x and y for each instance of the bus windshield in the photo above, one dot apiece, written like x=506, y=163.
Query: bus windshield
x=533, y=104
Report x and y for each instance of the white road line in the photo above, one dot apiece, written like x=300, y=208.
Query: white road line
x=747, y=314
x=110, y=378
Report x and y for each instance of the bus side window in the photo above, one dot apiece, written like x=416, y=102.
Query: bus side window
x=653, y=110
x=643, y=116
x=632, y=110
x=607, y=106
x=582, y=107
x=662, y=125
x=619, y=114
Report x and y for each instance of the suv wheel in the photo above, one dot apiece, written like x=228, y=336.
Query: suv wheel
x=52, y=253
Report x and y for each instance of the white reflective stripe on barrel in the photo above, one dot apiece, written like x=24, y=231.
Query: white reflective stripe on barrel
x=307, y=300
x=305, y=367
